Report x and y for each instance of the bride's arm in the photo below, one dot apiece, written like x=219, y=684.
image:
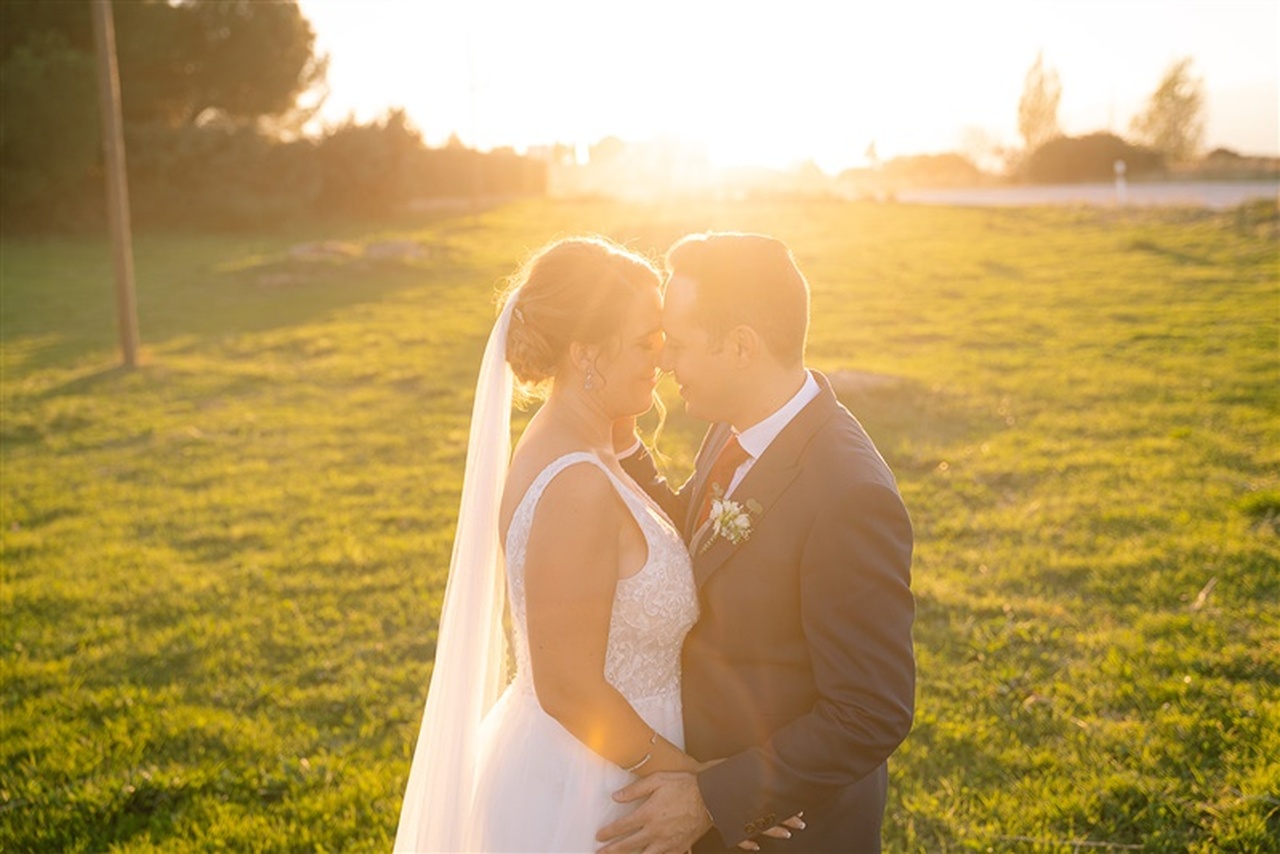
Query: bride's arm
x=571, y=566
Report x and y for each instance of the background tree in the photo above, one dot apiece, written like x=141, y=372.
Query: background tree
x=1173, y=122
x=215, y=94
x=49, y=140
x=242, y=59
x=245, y=63
x=1038, y=107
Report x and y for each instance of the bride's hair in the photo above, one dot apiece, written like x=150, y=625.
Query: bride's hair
x=575, y=289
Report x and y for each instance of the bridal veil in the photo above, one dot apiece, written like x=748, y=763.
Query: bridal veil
x=471, y=648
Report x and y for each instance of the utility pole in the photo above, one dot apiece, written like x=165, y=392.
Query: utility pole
x=117, y=185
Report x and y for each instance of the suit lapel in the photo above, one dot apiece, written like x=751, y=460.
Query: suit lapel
x=768, y=478
x=763, y=487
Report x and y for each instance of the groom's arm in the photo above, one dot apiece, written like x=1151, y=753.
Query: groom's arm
x=639, y=464
x=857, y=610
x=643, y=470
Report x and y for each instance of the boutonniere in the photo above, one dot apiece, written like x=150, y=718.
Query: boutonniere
x=731, y=521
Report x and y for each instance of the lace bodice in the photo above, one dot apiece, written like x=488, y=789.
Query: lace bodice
x=652, y=609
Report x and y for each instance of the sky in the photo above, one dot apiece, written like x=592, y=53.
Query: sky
x=777, y=83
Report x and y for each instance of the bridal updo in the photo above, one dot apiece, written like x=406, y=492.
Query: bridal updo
x=576, y=289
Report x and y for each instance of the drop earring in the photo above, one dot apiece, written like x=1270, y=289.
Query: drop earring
x=589, y=383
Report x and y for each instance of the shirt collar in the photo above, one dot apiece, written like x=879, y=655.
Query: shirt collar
x=757, y=438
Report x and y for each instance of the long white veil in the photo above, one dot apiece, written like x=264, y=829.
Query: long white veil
x=471, y=649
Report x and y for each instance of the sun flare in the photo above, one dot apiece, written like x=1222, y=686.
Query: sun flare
x=776, y=85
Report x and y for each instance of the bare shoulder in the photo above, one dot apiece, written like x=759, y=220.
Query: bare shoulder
x=579, y=504
x=573, y=493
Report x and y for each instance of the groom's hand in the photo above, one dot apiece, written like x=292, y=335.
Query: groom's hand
x=671, y=818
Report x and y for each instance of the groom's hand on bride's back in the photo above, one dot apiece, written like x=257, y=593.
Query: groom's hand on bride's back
x=671, y=818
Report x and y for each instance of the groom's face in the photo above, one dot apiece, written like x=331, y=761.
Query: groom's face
x=701, y=365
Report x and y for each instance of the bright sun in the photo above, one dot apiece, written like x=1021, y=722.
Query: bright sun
x=759, y=83
x=751, y=87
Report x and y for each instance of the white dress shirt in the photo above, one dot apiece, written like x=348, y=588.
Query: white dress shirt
x=757, y=438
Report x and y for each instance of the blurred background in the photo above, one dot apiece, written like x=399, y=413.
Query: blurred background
x=245, y=114
x=1043, y=244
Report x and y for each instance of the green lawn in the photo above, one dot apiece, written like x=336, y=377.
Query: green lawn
x=221, y=571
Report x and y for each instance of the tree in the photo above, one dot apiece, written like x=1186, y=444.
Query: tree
x=1038, y=107
x=244, y=59
x=48, y=145
x=1173, y=122
x=181, y=63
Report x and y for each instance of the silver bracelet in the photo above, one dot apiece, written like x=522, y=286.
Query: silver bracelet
x=639, y=764
x=652, y=740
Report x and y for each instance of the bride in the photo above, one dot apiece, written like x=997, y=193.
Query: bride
x=595, y=579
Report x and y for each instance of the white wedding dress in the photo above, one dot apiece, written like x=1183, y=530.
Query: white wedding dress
x=491, y=771
x=537, y=787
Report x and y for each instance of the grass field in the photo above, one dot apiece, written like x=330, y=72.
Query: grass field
x=221, y=571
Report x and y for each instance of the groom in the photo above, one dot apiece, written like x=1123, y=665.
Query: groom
x=800, y=672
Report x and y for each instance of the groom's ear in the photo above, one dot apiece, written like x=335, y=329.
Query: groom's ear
x=744, y=345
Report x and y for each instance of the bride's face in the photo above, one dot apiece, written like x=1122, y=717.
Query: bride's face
x=629, y=370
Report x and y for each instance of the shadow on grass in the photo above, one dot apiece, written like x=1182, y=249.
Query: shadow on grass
x=904, y=417
x=59, y=292
x=88, y=381
x=1171, y=254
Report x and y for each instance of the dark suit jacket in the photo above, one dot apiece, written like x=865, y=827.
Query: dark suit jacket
x=800, y=668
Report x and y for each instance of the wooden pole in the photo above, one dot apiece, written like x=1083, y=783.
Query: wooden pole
x=117, y=185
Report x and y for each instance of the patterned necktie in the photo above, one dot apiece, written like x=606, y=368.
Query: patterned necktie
x=731, y=456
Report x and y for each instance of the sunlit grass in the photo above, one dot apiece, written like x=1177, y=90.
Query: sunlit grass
x=221, y=571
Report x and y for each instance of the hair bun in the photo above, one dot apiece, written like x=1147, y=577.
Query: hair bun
x=576, y=289
x=531, y=356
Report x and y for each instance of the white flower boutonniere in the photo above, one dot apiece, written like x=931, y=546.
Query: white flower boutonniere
x=731, y=521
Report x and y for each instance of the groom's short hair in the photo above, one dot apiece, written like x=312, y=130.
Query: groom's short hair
x=746, y=280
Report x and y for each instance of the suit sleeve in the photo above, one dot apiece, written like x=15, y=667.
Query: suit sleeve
x=642, y=469
x=856, y=610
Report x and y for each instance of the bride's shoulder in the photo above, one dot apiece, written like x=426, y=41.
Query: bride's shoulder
x=562, y=476
x=576, y=503
x=557, y=468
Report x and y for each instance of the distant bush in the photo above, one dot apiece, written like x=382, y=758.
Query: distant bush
x=1068, y=159
x=229, y=175
x=366, y=169
x=460, y=172
x=932, y=170
x=220, y=176
x=1225, y=164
